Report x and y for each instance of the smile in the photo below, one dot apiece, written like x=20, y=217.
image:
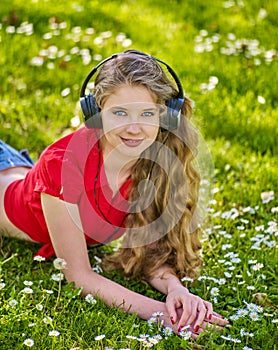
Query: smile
x=131, y=142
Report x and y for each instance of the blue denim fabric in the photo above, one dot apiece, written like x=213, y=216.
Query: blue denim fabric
x=10, y=157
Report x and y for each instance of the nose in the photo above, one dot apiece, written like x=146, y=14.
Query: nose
x=133, y=128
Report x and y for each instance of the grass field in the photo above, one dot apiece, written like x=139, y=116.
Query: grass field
x=225, y=53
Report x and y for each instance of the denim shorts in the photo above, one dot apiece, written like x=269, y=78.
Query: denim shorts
x=10, y=157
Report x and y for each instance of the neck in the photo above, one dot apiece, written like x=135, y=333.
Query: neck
x=117, y=166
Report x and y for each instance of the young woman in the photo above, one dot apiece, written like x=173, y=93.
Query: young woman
x=128, y=171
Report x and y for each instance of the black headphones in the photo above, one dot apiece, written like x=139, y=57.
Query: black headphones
x=91, y=112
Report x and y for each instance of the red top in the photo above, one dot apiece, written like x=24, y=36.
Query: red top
x=72, y=170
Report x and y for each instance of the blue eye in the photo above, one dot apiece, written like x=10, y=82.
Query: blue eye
x=120, y=113
x=148, y=114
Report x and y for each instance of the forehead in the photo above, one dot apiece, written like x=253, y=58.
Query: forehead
x=126, y=94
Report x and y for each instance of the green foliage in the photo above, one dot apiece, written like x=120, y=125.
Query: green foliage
x=226, y=57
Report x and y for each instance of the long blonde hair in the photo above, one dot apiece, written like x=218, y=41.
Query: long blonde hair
x=172, y=238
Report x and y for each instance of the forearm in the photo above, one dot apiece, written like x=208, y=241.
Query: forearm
x=113, y=294
x=164, y=279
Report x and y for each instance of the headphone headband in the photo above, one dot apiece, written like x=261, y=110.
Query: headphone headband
x=92, y=113
x=95, y=69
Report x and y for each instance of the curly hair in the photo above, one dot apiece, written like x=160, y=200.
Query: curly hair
x=165, y=231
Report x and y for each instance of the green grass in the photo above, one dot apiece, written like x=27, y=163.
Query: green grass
x=237, y=118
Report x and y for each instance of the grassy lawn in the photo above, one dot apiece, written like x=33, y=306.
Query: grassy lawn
x=225, y=53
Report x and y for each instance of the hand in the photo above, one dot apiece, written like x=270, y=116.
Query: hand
x=189, y=309
x=216, y=323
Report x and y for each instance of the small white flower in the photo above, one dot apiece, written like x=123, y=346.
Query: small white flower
x=75, y=121
x=60, y=264
x=152, y=321
x=29, y=342
x=48, y=291
x=267, y=196
x=234, y=317
x=242, y=312
x=252, y=307
x=65, y=92
x=261, y=100
x=90, y=299
x=243, y=333
x=275, y=320
x=185, y=334
x=214, y=291
x=47, y=320
x=157, y=314
x=234, y=340
x=28, y=283
x=2, y=285
x=259, y=309
x=12, y=303
x=254, y=316
x=153, y=341
x=187, y=279
x=39, y=307
x=39, y=258
x=126, y=43
x=27, y=290
x=131, y=337
x=100, y=337
x=252, y=261
x=37, y=61
x=221, y=281
x=257, y=266
x=167, y=331
x=54, y=333
x=57, y=277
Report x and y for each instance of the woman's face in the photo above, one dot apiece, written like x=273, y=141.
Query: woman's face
x=130, y=119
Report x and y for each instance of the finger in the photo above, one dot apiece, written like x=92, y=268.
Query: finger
x=172, y=311
x=184, y=317
x=209, y=312
x=217, y=314
x=194, y=335
x=188, y=315
x=202, y=311
x=219, y=321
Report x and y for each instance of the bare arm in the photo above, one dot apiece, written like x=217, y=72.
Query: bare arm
x=164, y=279
x=69, y=244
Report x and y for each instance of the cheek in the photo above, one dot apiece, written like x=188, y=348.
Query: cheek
x=152, y=131
x=111, y=126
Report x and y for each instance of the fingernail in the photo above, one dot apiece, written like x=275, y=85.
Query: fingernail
x=179, y=329
x=210, y=316
x=196, y=329
x=172, y=320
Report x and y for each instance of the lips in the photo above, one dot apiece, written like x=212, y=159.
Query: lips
x=131, y=142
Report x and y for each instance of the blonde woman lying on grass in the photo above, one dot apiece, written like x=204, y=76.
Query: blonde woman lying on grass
x=128, y=170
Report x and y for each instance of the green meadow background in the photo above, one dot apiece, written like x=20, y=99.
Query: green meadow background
x=225, y=54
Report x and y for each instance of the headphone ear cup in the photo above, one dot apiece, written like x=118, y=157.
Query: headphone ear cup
x=91, y=112
x=171, y=119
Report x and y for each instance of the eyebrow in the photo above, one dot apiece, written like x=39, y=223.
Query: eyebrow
x=145, y=109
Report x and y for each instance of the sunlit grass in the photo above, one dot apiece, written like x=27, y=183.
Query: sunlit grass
x=226, y=56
